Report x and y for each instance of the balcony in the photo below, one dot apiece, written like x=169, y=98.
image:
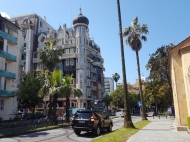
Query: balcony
x=93, y=79
x=7, y=74
x=22, y=63
x=36, y=60
x=8, y=55
x=23, y=48
x=93, y=88
x=98, y=64
x=8, y=37
x=68, y=45
x=93, y=70
x=6, y=93
x=66, y=56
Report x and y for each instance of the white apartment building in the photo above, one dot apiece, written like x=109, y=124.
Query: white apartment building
x=11, y=42
x=109, y=85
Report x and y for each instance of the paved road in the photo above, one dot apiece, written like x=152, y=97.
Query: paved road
x=62, y=134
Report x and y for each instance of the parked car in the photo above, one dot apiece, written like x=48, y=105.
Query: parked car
x=91, y=121
x=35, y=116
x=113, y=113
x=39, y=116
x=120, y=113
x=26, y=116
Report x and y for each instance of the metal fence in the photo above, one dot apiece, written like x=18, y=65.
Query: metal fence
x=24, y=125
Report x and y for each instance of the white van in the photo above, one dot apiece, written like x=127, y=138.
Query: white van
x=120, y=113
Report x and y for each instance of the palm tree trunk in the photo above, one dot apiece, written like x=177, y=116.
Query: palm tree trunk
x=67, y=108
x=143, y=115
x=55, y=96
x=50, y=108
x=127, y=117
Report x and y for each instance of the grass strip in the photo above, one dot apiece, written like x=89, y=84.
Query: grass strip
x=122, y=134
x=21, y=132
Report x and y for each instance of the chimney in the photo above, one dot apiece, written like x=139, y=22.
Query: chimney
x=45, y=18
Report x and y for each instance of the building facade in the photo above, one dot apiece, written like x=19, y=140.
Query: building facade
x=81, y=57
x=179, y=60
x=108, y=85
x=11, y=46
x=32, y=26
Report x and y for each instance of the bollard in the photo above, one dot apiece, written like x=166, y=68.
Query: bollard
x=159, y=116
x=153, y=116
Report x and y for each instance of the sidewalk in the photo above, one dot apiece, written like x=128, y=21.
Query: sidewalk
x=160, y=130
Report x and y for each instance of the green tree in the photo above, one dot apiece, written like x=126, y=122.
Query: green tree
x=67, y=90
x=135, y=34
x=127, y=117
x=117, y=95
x=107, y=100
x=52, y=89
x=50, y=58
x=27, y=92
x=158, y=88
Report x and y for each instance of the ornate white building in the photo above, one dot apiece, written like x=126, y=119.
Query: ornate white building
x=81, y=57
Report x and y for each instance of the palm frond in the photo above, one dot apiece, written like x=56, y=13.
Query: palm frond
x=134, y=22
x=143, y=38
x=144, y=29
x=127, y=31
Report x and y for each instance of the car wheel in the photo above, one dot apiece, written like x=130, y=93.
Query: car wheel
x=109, y=129
x=97, y=131
x=77, y=132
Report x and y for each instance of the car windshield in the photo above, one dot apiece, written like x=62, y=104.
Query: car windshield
x=85, y=115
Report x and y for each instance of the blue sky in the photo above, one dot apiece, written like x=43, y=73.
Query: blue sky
x=168, y=22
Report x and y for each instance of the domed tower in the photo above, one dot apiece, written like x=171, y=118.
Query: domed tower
x=80, y=24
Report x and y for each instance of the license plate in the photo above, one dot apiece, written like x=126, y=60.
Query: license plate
x=81, y=121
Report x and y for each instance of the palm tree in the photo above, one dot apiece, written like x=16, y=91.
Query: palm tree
x=135, y=34
x=67, y=90
x=50, y=58
x=116, y=77
x=52, y=89
x=127, y=117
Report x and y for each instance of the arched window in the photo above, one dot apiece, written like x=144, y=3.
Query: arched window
x=1, y=43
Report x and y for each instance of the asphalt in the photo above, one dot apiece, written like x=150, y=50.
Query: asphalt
x=160, y=130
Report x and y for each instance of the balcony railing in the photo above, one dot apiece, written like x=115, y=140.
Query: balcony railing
x=36, y=60
x=8, y=37
x=93, y=88
x=93, y=70
x=7, y=74
x=6, y=93
x=22, y=63
x=23, y=48
x=7, y=55
x=71, y=55
x=93, y=79
x=79, y=66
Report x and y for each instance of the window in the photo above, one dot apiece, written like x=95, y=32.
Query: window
x=80, y=40
x=71, y=61
x=67, y=62
x=5, y=85
x=67, y=51
x=41, y=24
x=1, y=43
x=1, y=104
x=5, y=66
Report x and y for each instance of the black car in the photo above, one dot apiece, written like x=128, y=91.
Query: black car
x=90, y=120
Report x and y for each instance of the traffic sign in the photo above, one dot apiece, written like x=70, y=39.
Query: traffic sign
x=139, y=103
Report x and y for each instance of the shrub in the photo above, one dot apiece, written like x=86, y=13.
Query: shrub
x=188, y=122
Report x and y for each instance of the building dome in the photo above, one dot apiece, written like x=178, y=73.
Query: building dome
x=80, y=19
